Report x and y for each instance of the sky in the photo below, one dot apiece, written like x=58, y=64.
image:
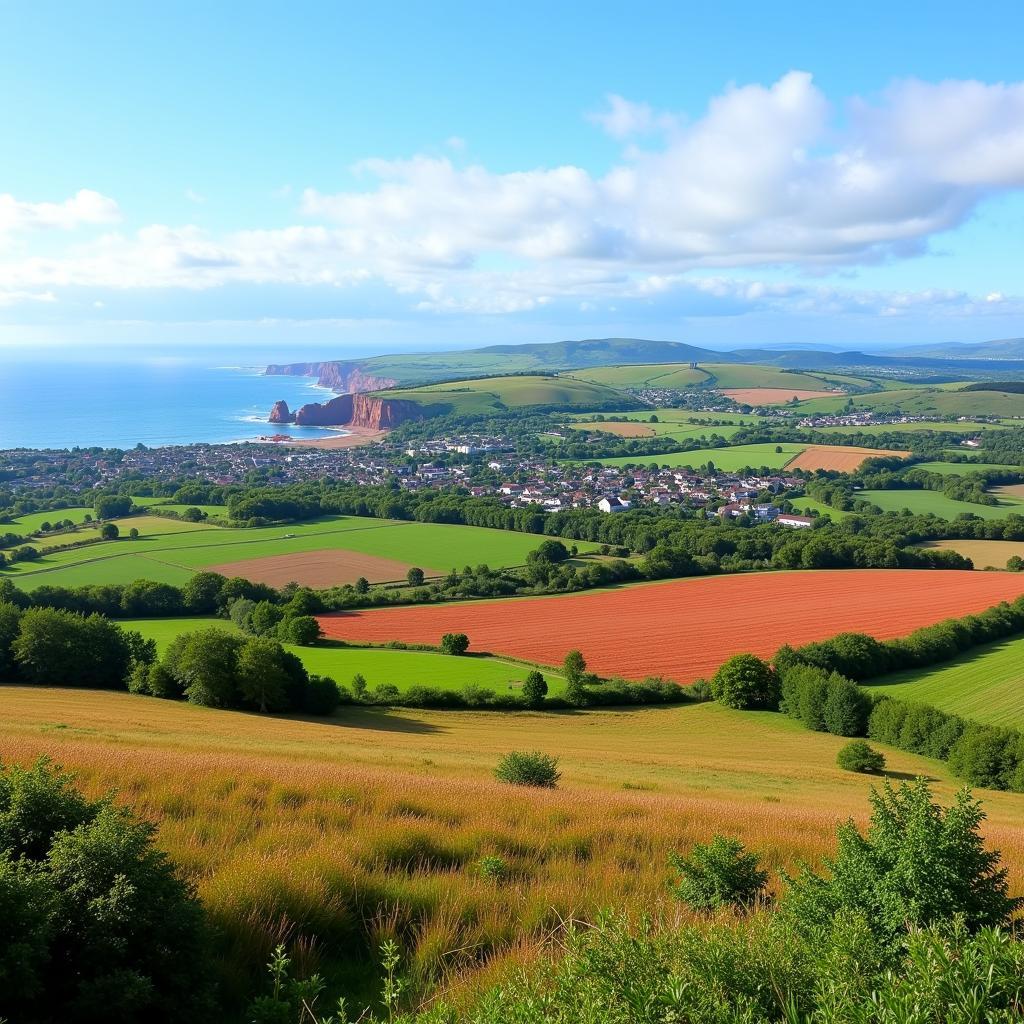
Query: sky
x=342, y=177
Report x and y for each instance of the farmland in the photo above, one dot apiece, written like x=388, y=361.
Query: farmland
x=657, y=375
x=964, y=468
x=175, y=554
x=935, y=502
x=377, y=665
x=842, y=459
x=985, y=554
x=336, y=834
x=772, y=396
x=730, y=459
x=921, y=401
x=986, y=684
x=685, y=629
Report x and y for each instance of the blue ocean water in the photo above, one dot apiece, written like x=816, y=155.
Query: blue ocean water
x=57, y=404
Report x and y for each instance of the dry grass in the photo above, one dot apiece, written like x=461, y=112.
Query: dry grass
x=334, y=834
x=840, y=458
x=985, y=554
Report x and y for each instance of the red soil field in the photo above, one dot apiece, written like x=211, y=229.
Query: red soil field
x=684, y=629
x=842, y=458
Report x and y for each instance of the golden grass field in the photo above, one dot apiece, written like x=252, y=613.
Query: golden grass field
x=985, y=554
x=334, y=834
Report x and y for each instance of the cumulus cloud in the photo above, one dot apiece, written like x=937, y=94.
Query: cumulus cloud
x=768, y=176
x=85, y=207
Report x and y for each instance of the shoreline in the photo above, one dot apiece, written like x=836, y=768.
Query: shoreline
x=355, y=437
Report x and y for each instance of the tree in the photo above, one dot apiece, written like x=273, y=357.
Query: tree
x=716, y=874
x=535, y=689
x=860, y=756
x=521, y=768
x=747, y=683
x=362, y=585
x=109, y=531
x=205, y=664
x=133, y=534
x=112, y=506
x=193, y=515
x=264, y=618
x=320, y=696
x=917, y=864
x=574, y=667
x=303, y=630
x=97, y=926
x=263, y=674
x=415, y=577
x=1015, y=563
x=846, y=708
x=454, y=643
x=551, y=551
x=67, y=649
x=201, y=593
x=10, y=620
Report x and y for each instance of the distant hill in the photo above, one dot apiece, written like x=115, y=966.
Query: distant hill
x=1005, y=348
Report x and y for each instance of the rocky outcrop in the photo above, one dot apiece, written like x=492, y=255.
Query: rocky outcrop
x=357, y=411
x=281, y=413
x=344, y=377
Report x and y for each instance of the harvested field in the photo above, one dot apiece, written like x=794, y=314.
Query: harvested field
x=325, y=568
x=686, y=628
x=618, y=429
x=1009, y=490
x=985, y=554
x=841, y=458
x=774, y=396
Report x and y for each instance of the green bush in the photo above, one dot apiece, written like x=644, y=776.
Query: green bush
x=532, y=768
x=860, y=756
x=717, y=874
x=535, y=689
x=454, y=643
x=747, y=683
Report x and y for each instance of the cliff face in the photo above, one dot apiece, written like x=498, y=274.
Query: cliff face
x=343, y=377
x=357, y=411
x=281, y=413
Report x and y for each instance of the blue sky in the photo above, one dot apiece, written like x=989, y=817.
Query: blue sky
x=339, y=175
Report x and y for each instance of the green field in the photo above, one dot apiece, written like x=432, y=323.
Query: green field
x=669, y=416
x=656, y=375
x=809, y=505
x=739, y=375
x=922, y=401
x=936, y=503
x=27, y=524
x=676, y=431
x=730, y=459
x=914, y=428
x=173, y=556
x=986, y=684
x=494, y=394
x=377, y=665
x=963, y=468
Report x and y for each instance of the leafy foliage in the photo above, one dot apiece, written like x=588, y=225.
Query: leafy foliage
x=717, y=874
x=522, y=768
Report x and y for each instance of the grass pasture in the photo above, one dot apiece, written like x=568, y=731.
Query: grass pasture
x=730, y=459
x=332, y=835
x=809, y=505
x=377, y=665
x=649, y=375
x=173, y=556
x=936, y=503
x=985, y=684
x=963, y=468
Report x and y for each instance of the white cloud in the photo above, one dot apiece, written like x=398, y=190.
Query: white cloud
x=768, y=177
x=83, y=208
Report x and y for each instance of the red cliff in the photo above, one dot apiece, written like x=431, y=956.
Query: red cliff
x=358, y=411
x=346, y=378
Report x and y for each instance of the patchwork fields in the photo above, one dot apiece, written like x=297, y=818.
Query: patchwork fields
x=936, y=503
x=685, y=629
x=175, y=553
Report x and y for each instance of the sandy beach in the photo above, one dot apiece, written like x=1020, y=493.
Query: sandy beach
x=356, y=436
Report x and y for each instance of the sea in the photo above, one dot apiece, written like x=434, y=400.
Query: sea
x=52, y=402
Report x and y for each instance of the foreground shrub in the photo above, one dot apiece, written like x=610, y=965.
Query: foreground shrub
x=860, y=756
x=918, y=863
x=718, y=874
x=528, y=769
x=747, y=683
x=96, y=925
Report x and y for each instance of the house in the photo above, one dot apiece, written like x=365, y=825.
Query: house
x=797, y=522
x=613, y=504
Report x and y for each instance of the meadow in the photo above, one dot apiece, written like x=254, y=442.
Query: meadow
x=935, y=502
x=923, y=401
x=963, y=468
x=985, y=554
x=654, y=375
x=332, y=835
x=731, y=459
x=986, y=684
x=685, y=629
x=177, y=550
x=809, y=505
x=377, y=665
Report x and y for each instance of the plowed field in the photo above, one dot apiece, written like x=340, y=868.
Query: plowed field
x=774, y=396
x=328, y=568
x=685, y=629
x=843, y=459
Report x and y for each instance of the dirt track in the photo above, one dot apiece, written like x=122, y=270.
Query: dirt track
x=687, y=628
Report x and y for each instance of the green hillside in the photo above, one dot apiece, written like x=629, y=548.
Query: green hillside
x=986, y=684
x=661, y=375
x=936, y=503
x=943, y=400
x=494, y=394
